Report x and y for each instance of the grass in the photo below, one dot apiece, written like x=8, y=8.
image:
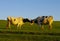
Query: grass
x=29, y=33
x=27, y=37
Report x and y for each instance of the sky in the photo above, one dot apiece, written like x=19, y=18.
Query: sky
x=30, y=8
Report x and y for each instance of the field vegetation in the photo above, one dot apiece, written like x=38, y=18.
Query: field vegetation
x=29, y=33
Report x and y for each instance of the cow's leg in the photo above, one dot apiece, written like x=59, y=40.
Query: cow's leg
x=42, y=27
x=17, y=26
x=21, y=26
x=8, y=25
x=50, y=26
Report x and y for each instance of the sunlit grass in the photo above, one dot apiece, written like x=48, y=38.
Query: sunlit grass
x=29, y=33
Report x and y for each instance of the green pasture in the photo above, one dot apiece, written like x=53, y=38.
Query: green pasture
x=29, y=33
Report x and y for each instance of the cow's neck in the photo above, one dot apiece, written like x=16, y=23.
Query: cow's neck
x=26, y=20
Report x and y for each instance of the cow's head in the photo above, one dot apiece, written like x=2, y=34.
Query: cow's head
x=32, y=22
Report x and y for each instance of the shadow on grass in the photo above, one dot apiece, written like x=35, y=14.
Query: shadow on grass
x=32, y=33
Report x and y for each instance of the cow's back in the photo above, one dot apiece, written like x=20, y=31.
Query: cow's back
x=20, y=20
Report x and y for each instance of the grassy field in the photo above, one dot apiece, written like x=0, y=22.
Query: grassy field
x=29, y=33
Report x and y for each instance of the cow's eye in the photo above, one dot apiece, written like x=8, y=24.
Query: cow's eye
x=14, y=19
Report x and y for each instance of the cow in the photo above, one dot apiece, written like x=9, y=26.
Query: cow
x=19, y=21
x=43, y=20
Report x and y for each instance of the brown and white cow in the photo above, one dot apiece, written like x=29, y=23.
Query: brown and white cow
x=19, y=21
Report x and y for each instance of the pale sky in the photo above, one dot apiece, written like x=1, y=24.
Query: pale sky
x=30, y=8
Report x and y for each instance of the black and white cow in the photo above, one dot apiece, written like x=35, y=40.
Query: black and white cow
x=43, y=20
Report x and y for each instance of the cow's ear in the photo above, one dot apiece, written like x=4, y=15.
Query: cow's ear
x=14, y=19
